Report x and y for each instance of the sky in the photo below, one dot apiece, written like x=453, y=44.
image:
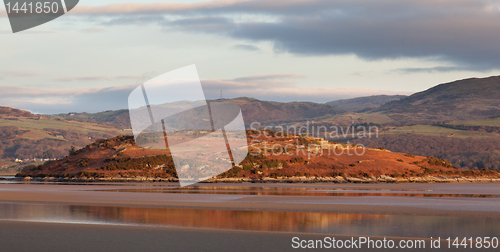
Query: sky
x=90, y=59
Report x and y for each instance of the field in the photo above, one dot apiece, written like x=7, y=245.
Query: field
x=429, y=130
x=492, y=122
x=32, y=138
x=348, y=118
x=37, y=127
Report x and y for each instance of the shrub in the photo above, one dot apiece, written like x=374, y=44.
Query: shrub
x=247, y=167
x=83, y=162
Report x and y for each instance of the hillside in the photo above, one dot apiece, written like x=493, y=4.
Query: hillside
x=34, y=138
x=457, y=121
x=116, y=118
x=265, y=112
x=467, y=99
x=119, y=158
x=12, y=112
x=360, y=104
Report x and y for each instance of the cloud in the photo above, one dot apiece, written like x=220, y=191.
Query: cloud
x=462, y=32
x=93, y=30
x=268, y=77
x=266, y=87
x=276, y=87
x=133, y=77
x=433, y=69
x=202, y=24
x=214, y=6
x=244, y=47
x=97, y=78
x=51, y=101
x=134, y=20
x=11, y=73
x=85, y=78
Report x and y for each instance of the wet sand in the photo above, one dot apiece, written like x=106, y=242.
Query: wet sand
x=43, y=236
x=26, y=236
x=97, y=194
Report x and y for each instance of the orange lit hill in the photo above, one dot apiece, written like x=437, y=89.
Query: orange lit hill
x=272, y=158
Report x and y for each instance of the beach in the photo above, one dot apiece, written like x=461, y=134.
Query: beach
x=238, y=217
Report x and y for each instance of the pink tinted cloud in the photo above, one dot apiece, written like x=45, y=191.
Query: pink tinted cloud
x=97, y=78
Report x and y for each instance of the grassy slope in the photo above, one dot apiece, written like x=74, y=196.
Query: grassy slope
x=117, y=118
x=429, y=130
x=36, y=127
x=77, y=134
x=348, y=118
x=468, y=99
x=492, y=122
x=365, y=103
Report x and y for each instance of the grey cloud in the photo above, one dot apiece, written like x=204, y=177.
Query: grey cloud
x=50, y=101
x=462, y=32
x=214, y=7
x=433, y=69
x=246, y=47
x=202, y=24
x=474, y=46
x=94, y=30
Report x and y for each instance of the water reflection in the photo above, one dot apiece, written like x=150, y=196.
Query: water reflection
x=7, y=179
x=301, y=192
x=331, y=223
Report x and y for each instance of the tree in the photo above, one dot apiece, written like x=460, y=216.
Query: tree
x=72, y=150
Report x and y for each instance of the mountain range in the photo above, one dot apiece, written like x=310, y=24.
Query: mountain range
x=253, y=110
x=468, y=99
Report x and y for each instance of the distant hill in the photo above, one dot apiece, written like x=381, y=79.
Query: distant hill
x=467, y=99
x=116, y=118
x=37, y=138
x=253, y=110
x=364, y=103
x=12, y=112
x=267, y=112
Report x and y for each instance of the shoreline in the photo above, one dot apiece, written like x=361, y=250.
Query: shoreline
x=302, y=179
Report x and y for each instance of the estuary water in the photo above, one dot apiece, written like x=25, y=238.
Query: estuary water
x=38, y=202
x=327, y=223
